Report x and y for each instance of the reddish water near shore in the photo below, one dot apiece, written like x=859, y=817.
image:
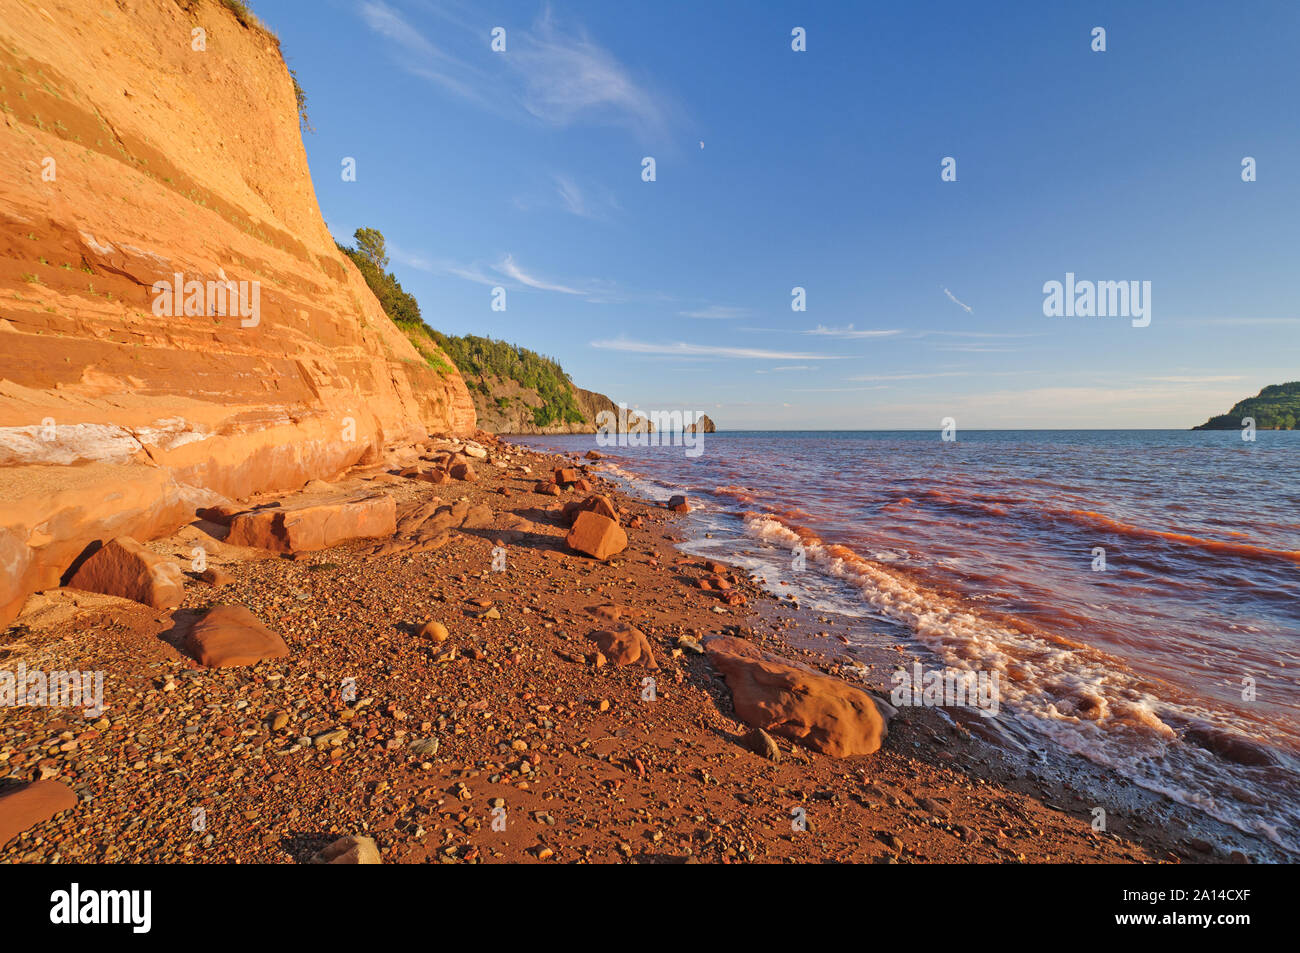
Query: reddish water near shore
x=1171, y=657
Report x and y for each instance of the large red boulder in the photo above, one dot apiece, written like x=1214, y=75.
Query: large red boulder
x=820, y=712
x=122, y=567
x=230, y=635
x=315, y=524
x=597, y=536
x=29, y=805
x=596, y=503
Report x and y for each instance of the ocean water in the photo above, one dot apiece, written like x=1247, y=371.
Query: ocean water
x=1137, y=592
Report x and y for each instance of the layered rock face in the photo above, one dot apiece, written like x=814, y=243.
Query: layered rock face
x=129, y=155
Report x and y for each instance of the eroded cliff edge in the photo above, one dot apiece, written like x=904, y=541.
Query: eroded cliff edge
x=128, y=156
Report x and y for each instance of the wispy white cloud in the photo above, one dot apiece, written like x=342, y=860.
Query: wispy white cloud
x=441, y=266
x=682, y=349
x=926, y=375
x=715, y=311
x=391, y=25
x=596, y=204
x=557, y=77
x=1246, y=322
x=509, y=268
x=479, y=274
x=977, y=348
x=419, y=55
x=568, y=78
x=1192, y=379
x=979, y=334
x=849, y=331
x=953, y=298
x=572, y=197
x=833, y=390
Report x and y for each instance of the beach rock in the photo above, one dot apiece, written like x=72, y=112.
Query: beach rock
x=221, y=514
x=216, y=577
x=1229, y=745
x=230, y=635
x=435, y=475
x=597, y=536
x=478, y=517
x=760, y=742
x=679, y=504
x=349, y=850
x=820, y=712
x=463, y=471
x=412, y=517
x=596, y=503
x=122, y=567
x=315, y=524
x=594, y=455
x=565, y=475
x=24, y=807
x=434, y=632
x=427, y=544
x=546, y=488
x=624, y=644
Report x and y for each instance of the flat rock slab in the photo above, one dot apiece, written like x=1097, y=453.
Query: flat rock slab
x=308, y=525
x=29, y=805
x=122, y=567
x=820, y=712
x=230, y=635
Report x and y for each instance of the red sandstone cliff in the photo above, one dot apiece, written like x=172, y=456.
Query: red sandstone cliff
x=127, y=156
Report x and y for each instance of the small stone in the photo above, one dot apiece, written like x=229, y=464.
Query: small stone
x=760, y=742
x=434, y=632
x=349, y=850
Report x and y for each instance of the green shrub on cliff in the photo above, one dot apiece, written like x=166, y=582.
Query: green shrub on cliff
x=487, y=357
x=475, y=357
x=371, y=258
x=1276, y=407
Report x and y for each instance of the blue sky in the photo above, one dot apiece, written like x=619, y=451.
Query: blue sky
x=821, y=169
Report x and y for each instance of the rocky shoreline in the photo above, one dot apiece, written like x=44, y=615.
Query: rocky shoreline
x=461, y=683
